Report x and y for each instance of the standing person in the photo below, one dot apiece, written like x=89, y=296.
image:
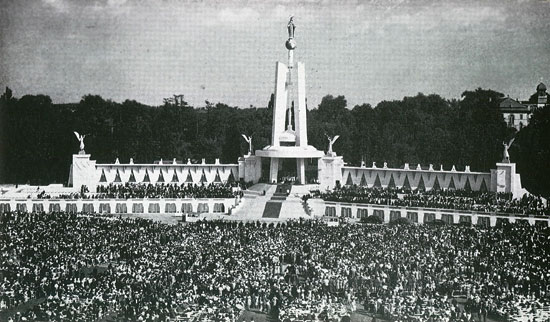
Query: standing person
x=483, y=312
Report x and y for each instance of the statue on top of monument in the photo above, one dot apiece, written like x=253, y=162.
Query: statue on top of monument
x=291, y=27
x=290, y=44
x=506, y=155
x=80, y=138
x=248, y=140
x=331, y=141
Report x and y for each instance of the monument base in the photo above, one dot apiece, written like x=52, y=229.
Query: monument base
x=83, y=172
x=505, y=179
x=250, y=168
x=330, y=171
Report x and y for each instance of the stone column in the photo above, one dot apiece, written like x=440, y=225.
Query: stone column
x=279, y=109
x=273, y=170
x=301, y=170
x=300, y=112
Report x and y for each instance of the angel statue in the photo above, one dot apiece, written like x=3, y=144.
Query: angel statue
x=331, y=141
x=248, y=140
x=80, y=138
x=506, y=158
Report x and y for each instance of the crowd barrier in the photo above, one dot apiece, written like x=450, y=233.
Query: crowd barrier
x=121, y=206
x=387, y=213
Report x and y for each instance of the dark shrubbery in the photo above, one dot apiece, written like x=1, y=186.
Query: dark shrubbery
x=372, y=220
x=400, y=221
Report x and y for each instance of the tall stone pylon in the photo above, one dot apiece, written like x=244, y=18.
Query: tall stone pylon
x=290, y=98
x=289, y=131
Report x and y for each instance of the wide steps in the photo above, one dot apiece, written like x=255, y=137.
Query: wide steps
x=275, y=204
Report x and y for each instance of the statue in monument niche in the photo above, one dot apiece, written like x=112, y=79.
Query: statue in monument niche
x=331, y=141
x=80, y=138
x=248, y=140
x=506, y=155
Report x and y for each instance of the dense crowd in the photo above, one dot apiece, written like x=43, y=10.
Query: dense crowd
x=141, y=190
x=444, y=199
x=144, y=190
x=84, y=267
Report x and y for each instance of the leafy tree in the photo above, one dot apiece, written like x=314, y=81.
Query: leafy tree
x=531, y=152
x=37, y=142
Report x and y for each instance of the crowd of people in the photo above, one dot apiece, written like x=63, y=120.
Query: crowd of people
x=148, y=190
x=80, y=267
x=142, y=190
x=445, y=199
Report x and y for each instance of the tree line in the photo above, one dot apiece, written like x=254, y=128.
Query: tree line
x=37, y=140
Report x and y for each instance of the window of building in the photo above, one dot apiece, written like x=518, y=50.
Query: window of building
x=186, y=208
x=429, y=217
x=362, y=213
x=511, y=120
x=465, y=219
x=137, y=208
x=379, y=213
x=330, y=211
x=121, y=208
x=412, y=216
x=346, y=212
x=170, y=208
x=483, y=221
x=154, y=208
x=447, y=218
x=395, y=214
x=202, y=208
x=104, y=208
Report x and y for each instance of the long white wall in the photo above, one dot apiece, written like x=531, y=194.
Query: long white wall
x=85, y=171
x=369, y=177
x=185, y=173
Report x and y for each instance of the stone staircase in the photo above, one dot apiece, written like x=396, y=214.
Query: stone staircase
x=293, y=208
x=273, y=206
x=278, y=203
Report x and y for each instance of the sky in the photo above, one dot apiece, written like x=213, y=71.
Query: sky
x=225, y=51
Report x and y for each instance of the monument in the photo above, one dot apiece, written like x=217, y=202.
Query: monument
x=290, y=157
x=289, y=139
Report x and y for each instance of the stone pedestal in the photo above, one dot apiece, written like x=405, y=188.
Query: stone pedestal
x=505, y=179
x=250, y=168
x=83, y=172
x=330, y=171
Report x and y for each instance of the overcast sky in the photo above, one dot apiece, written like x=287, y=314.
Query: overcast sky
x=225, y=51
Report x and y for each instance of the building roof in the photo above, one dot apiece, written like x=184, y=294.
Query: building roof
x=508, y=103
x=541, y=87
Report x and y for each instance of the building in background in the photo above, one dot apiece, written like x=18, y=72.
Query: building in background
x=517, y=113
